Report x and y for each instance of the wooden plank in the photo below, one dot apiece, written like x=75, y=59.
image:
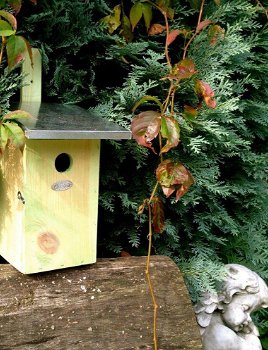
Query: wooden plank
x=11, y=208
x=32, y=90
x=103, y=306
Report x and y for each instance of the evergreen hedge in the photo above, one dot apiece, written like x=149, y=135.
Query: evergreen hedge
x=223, y=218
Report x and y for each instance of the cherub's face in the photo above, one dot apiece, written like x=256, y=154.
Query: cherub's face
x=236, y=314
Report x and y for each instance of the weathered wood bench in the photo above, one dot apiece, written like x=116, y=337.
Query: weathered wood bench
x=102, y=306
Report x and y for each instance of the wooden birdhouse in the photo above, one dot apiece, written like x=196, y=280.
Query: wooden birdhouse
x=49, y=192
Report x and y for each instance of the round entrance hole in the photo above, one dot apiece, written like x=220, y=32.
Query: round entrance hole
x=62, y=162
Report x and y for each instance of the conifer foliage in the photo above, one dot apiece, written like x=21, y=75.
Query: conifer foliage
x=106, y=56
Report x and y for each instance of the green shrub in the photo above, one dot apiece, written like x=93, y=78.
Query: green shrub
x=222, y=218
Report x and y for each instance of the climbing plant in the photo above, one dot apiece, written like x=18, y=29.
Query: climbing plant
x=13, y=49
x=119, y=62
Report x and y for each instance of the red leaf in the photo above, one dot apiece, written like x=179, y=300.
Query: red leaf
x=169, y=173
x=173, y=176
x=145, y=127
x=158, y=215
x=172, y=36
x=168, y=190
x=202, y=25
x=204, y=91
x=156, y=28
x=184, y=187
x=171, y=131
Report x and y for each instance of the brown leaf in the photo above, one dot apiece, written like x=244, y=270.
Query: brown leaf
x=124, y=254
x=158, y=217
x=173, y=176
x=156, y=28
x=183, y=70
x=190, y=112
x=215, y=33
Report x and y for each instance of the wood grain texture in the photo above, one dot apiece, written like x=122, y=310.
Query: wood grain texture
x=52, y=229
x=101, y=306
x=32, y=90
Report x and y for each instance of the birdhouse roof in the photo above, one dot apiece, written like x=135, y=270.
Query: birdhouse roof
x=59, y=121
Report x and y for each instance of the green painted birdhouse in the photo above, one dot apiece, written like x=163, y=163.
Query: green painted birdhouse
x=49, y=191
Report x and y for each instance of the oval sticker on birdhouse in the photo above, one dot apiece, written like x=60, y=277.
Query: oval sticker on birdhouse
x=62, y=185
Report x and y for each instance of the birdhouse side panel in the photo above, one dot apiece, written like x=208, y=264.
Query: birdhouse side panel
x=12, y=206
x=61, y=203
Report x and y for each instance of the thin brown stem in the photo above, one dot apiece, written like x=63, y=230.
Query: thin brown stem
x=167, y=101
x=200, y=13
x=166, y=43
x=196, y=32
x=262, y=7
x=149, y=281
x=2, y=48
x=152, y=194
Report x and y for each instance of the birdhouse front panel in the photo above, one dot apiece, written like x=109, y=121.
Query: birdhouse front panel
x=54, y=205
x=49, y=190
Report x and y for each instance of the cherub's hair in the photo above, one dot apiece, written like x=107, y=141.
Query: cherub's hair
x=239, y=280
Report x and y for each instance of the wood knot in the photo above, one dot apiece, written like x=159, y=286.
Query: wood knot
x=48, y=242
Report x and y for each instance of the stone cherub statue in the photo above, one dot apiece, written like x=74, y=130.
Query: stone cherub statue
x=224, y=318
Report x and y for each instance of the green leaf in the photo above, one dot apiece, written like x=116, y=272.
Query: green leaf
x=135, y=14
x=126, y=29
x=3, y=138
x=18, y=114
x=6, y=29
x=145, y=127
x=158, y=215
x=17, y=47
x=147, y=15
x=171, y=131
x=147, y=98
x=164, y=5
x=10, y=18
x=2, y=3
x=15, y=134
x=195, y=4
x=113, y=21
